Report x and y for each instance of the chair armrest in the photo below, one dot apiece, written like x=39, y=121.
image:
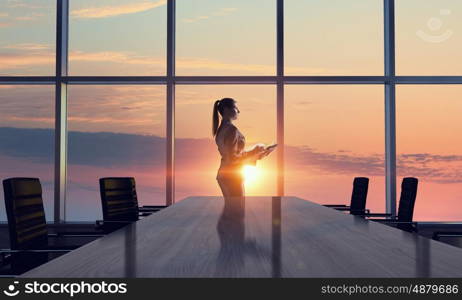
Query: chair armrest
x=438, y=234
x=5, y=258
x=365, y=211
x=6, y=251
x=376, y=215
x=412, y=224
x=145, y=214
x=151, y=207
x=76, y=234
x=102, y=221
x=149, y=210
x=393, y=221
x=359, y=211
x=381, y=220
x=99, y=223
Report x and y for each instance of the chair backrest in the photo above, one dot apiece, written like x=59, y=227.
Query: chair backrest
x=26, y=216
x=359, y=195
x=118, y=199
x=407, y=199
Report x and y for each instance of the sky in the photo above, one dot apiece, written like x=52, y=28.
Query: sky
x=333, y=132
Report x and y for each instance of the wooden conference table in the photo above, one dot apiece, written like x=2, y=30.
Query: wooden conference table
x=275, y=237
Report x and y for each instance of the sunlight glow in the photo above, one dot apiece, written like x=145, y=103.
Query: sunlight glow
x=251, y=174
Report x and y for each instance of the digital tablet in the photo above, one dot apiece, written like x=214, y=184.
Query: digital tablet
x=271, y=147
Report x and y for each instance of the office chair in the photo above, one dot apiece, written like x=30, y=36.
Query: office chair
x=120, y=203
x=405, y=210
x=358, y=198
x=30, y=243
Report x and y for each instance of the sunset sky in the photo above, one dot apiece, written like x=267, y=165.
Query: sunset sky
x=333, y=132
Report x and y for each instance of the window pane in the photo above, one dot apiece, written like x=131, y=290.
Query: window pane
x=115, y=131
x=334, y=133
x=428, y=37
x=197, y=158
x=226, y=37
x=429, y=148
x=333, y=37
x=117, y=37
x=28, y=37
x=27, y=138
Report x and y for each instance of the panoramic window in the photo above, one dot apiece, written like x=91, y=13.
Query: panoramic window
x=428, y=37
x=27, y=37
x=197, y=158
x=226, y=37
x=117, y=37
x=114, y=131
x=332, y=134
x=27, y=138
x=428, y=147
x=333, y=37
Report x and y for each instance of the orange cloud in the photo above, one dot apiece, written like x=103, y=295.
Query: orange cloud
x=112, y=11
x=28, y=46
x=9, y=61
x=18, y=3
x=222, y=12
x=29, y=119
x=31, y=17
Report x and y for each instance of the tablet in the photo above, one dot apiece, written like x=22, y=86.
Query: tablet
x=271, y=147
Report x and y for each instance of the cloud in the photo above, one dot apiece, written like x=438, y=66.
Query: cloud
x=112, y=150
x=224, y=11
x=424, y=158
x=19, y=60
x=307, y=158
x=218, y=13
x=115, y=57
x=195, y=19
x=113, y=10
x=15, y=60
x=31, y=17
x=19, y=3
x=91, y=108
x=28, y=46
x=429, y=167
x=433, y=167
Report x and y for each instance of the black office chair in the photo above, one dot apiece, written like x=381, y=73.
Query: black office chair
x=358, y=198
x=30, y=245
x=120, y=203
x=405, y=210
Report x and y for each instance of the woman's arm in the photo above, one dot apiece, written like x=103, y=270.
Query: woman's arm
x=233, y=153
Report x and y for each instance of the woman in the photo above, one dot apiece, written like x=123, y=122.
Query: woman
x=231, y=142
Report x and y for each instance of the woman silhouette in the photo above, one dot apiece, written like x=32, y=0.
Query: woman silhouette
x=231, y=142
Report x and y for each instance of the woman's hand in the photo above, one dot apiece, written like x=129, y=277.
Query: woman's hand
x=262, y=154
x=259, y=148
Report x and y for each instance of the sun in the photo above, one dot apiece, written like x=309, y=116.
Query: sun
x=251, y=174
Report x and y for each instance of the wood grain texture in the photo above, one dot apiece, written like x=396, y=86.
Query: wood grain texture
x=275, y=237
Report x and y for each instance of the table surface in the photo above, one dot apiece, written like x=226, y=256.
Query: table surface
x=266, y=237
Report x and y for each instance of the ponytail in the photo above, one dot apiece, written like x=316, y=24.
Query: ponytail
x=219, y=107
x=215, y=118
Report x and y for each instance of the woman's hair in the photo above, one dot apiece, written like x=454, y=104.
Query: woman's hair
x=219, y=107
